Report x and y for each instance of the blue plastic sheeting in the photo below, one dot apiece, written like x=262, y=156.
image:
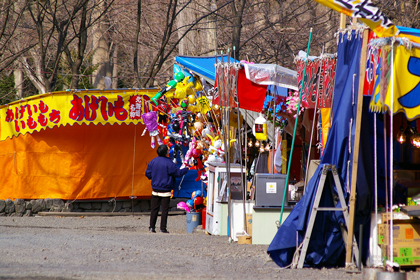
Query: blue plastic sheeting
x=202, y=65
x=188, y=184
x=326, y=247
x=278, y=90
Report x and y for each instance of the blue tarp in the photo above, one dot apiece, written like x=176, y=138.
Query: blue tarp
x=184, y=186
x=202, y=65
x=326, y=247
x=409, y=31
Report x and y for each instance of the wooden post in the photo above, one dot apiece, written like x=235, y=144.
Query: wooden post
x=342, y=21
x=356, y=151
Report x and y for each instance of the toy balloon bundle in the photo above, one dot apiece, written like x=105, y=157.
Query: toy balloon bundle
x=196, y=204
x=198, y=200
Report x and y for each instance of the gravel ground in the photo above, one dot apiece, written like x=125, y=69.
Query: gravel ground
x=53, y=247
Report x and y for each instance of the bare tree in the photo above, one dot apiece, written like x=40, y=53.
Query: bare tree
x=11, y=13
x=61, y=27
x=141, y=37
x=136, y=44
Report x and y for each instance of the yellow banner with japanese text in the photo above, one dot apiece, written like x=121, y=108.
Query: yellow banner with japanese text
x=69, y=107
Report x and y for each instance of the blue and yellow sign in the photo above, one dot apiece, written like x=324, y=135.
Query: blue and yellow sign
x=406, y=83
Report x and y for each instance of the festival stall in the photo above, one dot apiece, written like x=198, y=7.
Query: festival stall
x=82, y=145
x=242, y=89
x=358, y=161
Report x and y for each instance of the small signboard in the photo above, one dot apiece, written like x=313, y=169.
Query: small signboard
x=271, y=187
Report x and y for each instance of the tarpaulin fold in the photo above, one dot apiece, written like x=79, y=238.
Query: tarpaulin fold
x=326, y=247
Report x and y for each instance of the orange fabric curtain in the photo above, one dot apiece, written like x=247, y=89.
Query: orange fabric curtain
x=76, y=162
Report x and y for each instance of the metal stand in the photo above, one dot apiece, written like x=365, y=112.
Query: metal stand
x=315, y=209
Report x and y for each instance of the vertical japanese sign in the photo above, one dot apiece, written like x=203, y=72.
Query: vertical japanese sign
x=63, y=108
x=319, y=80
x=372, y=62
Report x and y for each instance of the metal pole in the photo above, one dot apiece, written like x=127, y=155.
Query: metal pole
x=274, y=128
x=226, y=141
x=313, y=124
x=294, y=131
x=391, y=155
x=243, y=186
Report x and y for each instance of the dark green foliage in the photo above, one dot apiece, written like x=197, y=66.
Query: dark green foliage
x=7, y=91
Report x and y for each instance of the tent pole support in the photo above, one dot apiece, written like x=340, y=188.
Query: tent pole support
x=356, y=150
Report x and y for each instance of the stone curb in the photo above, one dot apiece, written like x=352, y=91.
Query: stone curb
x=103, y=214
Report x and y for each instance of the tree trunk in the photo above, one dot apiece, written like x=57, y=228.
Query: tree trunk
x=189, y=43
x=237, y=12
x=136, y=46
x=18, y=82
x=212, y=29
x=115, y=67
x=101, y=54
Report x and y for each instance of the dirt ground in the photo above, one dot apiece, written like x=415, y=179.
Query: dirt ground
x=121, y=247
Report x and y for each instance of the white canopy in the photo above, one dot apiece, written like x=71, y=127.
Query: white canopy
x=271, y=74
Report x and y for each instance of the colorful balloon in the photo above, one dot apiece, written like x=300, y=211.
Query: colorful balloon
x=190, y=203
x=196, y=194
x=183, y=206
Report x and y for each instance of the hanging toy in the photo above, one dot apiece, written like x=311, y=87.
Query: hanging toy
x=185, y=119
x=192, y=146
x=176, y=140
x=183, y=88
x=260, y=128
x=197, y=163
x=171, y=146
x=163, y=114
x=150, y=120
x=171, y=84
x=198, y=128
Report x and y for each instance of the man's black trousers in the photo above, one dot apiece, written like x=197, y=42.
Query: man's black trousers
x=156, y=202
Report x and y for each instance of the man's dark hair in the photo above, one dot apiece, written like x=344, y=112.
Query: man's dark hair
x=162, y=150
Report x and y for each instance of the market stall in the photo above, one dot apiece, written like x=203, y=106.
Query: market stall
x=361, y=146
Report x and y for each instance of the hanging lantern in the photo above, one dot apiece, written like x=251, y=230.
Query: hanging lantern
x=401, y=136
x=415, y=139
x=250, y=144
x=257, y=144
x=267, y=147
x=260, y=128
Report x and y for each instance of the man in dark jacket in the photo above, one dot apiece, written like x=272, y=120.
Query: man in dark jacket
x=162, y=171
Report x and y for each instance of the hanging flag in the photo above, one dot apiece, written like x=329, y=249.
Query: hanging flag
x=372, y=61
x=326, y=84
x=319, y=80
x=367, y=12
x=251, y=96
x=406, y=83
x=311, y=82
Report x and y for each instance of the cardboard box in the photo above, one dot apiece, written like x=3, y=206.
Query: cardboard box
x=249, y=224
x=404, y=255
x=402, y=233
x=396, y=215
x=244, y=239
